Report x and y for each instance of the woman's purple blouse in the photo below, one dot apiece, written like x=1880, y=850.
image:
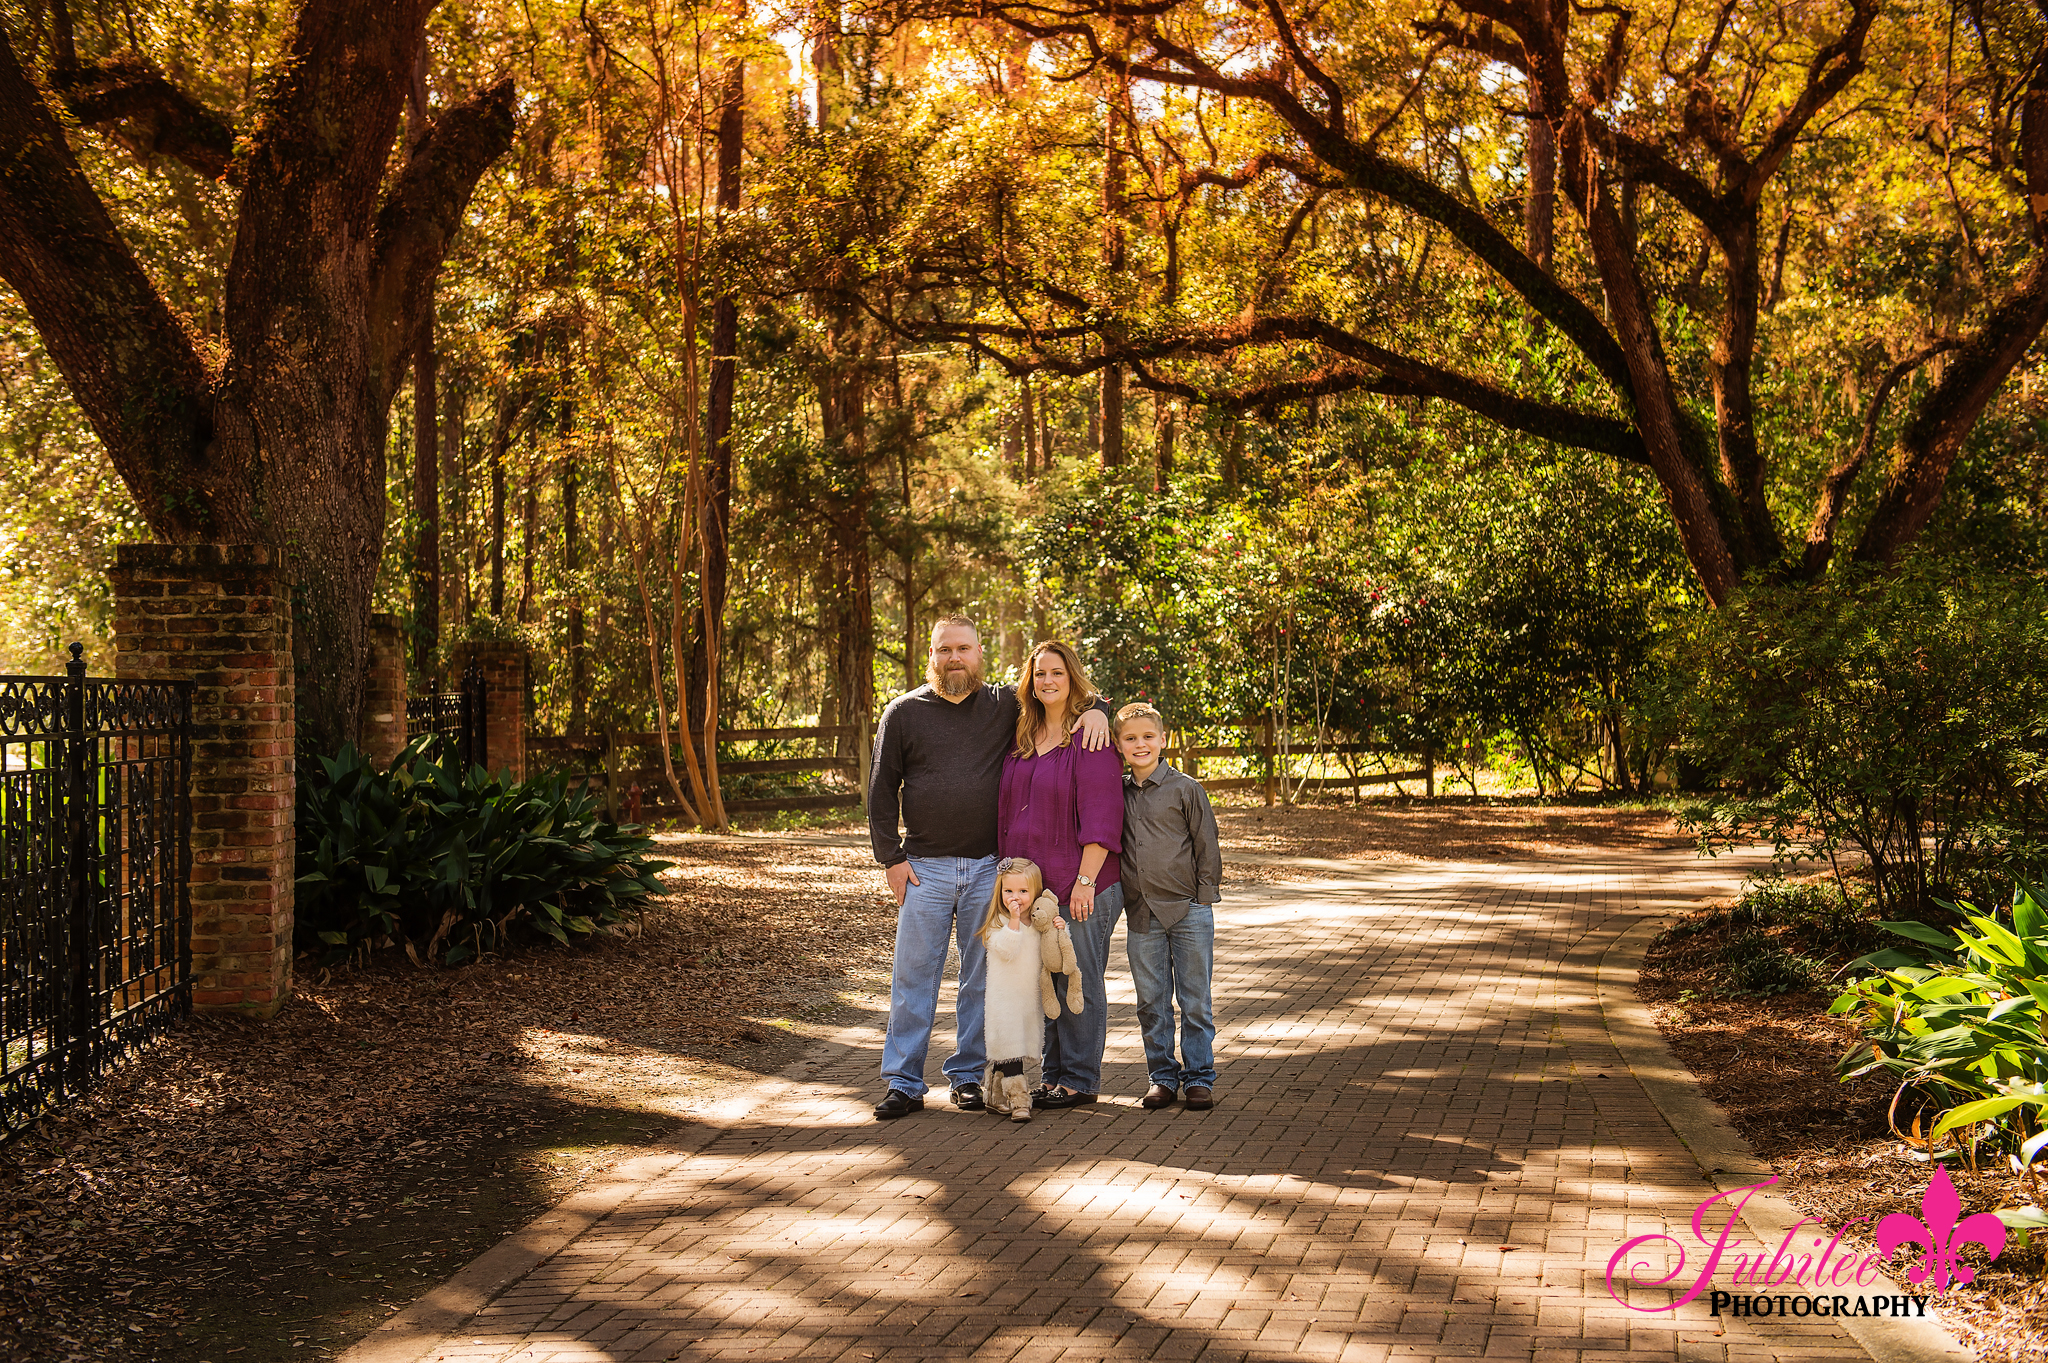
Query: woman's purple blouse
x=1053, y=803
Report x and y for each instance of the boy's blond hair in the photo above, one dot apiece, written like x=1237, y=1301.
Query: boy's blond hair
x=1139, y=709
x=1007, y=867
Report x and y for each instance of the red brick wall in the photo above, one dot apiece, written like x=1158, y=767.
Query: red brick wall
x=384, y=703
x=503, y=665
x=220, y=615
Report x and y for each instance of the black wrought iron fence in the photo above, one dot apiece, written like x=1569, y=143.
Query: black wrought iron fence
x=95, y=869
x=454, y=718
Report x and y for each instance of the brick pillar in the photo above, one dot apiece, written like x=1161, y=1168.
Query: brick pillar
x=384, y=705
x=503, y=664
x=220, y=616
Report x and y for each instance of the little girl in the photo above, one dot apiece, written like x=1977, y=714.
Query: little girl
x=1013, y=1025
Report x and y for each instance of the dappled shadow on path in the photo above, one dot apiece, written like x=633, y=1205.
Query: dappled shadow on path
x=1424, y=1139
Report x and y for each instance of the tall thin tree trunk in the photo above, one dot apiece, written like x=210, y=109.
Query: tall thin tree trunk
x=1162, y=471
x=529, y=537
x=641, y=548
x=1114, y=208
x=1112, y=415
x=843, y=394
x=1539, y=209
x=426, y=507
x=1027, y=426
x=426, y=471
x=725, y=349
x=455, y=587
x=908, y=560
x=572, y=566
x=500, y=439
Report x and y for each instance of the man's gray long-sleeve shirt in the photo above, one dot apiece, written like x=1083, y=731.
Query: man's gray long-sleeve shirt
x=939, y=765
x=1172, y=853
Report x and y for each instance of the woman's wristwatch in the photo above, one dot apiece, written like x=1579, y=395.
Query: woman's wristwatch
x=1089, y=881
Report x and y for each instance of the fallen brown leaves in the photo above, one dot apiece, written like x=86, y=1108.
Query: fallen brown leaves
x=271, y=1190
x=1771, y=1064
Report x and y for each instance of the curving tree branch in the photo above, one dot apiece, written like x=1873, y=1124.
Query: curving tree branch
x=420, y=215
x=128, y=361
x=128, y=95
x=1834, y=489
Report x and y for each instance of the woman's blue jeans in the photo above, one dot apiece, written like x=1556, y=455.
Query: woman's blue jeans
x=1169, y=966
x=1073, y=1045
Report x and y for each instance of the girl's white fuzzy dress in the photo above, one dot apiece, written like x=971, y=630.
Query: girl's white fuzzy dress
x=1013, y=1025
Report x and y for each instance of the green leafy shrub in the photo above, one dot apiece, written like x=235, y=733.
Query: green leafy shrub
x=1760, y=968
x=1904, y=717
x=1957, y=1021
x=451, y=863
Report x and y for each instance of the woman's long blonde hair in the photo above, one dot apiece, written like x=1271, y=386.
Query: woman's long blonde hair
x=1007, y=867
x=1081, y=697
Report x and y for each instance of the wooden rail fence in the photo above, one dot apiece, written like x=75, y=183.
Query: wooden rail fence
x=616, y=778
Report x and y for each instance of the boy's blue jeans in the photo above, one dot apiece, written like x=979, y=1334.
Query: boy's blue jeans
x=950, y=899
x=1169, y=966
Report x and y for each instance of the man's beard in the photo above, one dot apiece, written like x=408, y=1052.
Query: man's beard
x=956, y=680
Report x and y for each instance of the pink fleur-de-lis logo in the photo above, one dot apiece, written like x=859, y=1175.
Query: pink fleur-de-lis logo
x=1940, y=1234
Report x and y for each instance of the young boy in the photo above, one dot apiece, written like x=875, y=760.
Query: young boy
x=1172, y=865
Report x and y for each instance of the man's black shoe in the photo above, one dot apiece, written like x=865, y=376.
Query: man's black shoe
x=898, y=1104
x=968, y=1098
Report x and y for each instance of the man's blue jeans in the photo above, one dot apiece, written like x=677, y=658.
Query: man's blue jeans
x=1169, y=966
x=950, y=899
x=1073, y=1045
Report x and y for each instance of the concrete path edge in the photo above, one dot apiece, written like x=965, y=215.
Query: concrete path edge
x=1723, y=1156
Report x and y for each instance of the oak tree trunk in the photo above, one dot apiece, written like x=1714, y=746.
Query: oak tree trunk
x=278, y=438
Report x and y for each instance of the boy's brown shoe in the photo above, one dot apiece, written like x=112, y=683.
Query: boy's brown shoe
x=1156, y=1097
x=1199, y=1098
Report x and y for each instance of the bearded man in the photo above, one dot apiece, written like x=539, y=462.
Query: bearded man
x=939, y=765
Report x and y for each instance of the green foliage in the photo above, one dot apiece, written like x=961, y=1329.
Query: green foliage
x=1759, y=968
x=1425, y=603
x=1904, y=717
x=1772, y=931
x=453, y=863
x=1956, y=1019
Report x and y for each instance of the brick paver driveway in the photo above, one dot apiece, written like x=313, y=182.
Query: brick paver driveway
x=1425, y=1147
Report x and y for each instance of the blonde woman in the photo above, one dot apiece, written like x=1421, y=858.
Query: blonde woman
x=1063, y=807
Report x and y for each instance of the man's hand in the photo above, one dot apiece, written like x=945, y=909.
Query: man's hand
x=1093, y=726
x=901, y=878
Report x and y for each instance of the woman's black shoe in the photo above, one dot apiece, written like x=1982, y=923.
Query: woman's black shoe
x=1056, y=1098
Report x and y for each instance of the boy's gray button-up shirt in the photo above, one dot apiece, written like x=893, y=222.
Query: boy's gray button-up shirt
x=1172, y=853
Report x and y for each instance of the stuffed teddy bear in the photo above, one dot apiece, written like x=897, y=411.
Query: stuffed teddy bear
x=1056, y=954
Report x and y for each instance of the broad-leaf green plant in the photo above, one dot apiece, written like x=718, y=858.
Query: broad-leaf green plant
x=1957, y=1020
x=450, y=863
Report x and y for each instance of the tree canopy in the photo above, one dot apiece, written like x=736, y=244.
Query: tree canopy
x=1413, y=365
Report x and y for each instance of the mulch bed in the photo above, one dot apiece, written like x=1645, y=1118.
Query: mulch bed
x=1770, y=1063
x=272, y=1190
